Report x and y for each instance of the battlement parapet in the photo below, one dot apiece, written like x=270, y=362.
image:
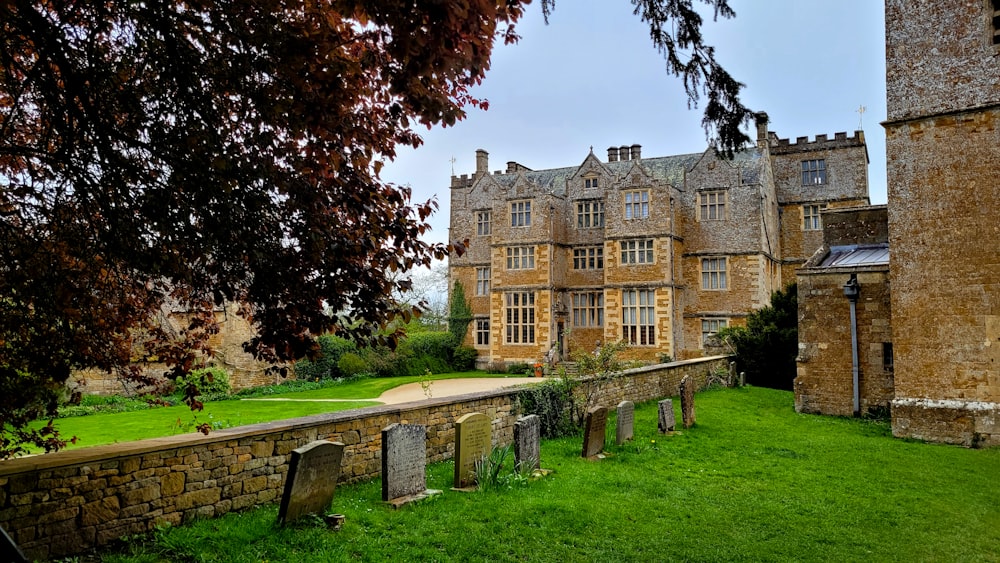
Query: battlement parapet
x=822, y=142
x=463, y=181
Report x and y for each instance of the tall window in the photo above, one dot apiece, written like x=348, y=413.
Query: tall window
x=713, y=273
x=482, y=281
x=520, y=257
x=520, y=213
x=637, y=204
x=637, y=251
x=588, y=258
x=589, y=214
x=588, y=309
x=638, y=316
x=482, y=332
x=810, y=217
x=813, y=172
x=590, y=183
x=713, y=205
x=711, y=326
x=520, y=312
x=483, y=226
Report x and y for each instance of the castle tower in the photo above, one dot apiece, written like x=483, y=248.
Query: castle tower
x=943, y=149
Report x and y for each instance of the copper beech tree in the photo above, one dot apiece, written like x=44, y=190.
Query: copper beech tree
x=188, y=154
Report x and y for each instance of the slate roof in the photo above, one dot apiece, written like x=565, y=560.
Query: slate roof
x=856, y=255
x=665, y=168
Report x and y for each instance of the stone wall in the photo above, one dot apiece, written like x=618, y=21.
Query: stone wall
x=824, y=380
x=943, y=151
x=65, y=503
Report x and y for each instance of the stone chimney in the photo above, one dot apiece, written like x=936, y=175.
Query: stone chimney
x=482, y=162
x=623, y=152
x=612, y=154
x=511, y=166
x=636, y=152
x=761, y=118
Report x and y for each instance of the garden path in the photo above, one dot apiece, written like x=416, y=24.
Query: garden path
x=438, y=388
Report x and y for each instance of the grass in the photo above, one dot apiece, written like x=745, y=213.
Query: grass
x=752, y=481
x=109, y=428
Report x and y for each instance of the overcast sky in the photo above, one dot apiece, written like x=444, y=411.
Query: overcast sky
x=593, y=78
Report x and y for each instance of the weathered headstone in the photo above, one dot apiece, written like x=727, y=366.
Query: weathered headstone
x=404, y=464
x=743, y=378
x=312, y=477
x=594, y=431
x=527, y=450
x=473, y=440
x=9, y=550
x=666, y=418
x=687, y=401
x=625, y=428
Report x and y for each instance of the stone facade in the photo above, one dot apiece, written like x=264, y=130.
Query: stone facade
x=244, y=371
x=943, y=149
x=61, y=504
x=824, y=381
x=655, y=251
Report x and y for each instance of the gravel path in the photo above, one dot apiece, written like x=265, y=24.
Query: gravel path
x=439, y=388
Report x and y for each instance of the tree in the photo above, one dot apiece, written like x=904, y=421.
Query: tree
x=182, y=155
x=767, y=347
x=460, y=314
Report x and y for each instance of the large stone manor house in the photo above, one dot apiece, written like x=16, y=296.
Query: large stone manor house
x=659, y=251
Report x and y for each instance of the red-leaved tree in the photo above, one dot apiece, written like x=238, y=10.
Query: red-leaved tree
x=192, y=153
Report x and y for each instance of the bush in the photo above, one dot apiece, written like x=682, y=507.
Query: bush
x=520, y=368
x=766, y=348
x=351, y=364
x=325, y=364
x=210, y=381
x=552, y=400
x=464, y=358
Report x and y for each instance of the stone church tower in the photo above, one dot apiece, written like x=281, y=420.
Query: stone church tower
x=943, y=149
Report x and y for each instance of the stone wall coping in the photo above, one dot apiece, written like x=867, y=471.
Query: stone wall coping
x=122, y=450
x=112, y=452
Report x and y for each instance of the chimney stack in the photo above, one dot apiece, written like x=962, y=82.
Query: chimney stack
x=636, y=152
x=612, y=154
x=761, y=118
x=623, y=152
x=482, y=162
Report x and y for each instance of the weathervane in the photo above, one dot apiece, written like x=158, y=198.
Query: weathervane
x=452, y=165
x=861, y=117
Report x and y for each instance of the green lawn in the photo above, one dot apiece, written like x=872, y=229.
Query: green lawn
x=752, y=481
x=108, y=428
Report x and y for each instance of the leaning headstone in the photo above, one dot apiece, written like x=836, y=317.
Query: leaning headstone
x=625, y=428
x=404, y=464
x=732, y=373
x=527, y=452
x=473, y=440
x=687, y=401
x=666, y=418
x=312, y=477
x=593, y=434
x=9, y=550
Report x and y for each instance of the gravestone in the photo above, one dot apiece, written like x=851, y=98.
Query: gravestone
x=687, y=401
x=527, y=451
x=625, y=428
x=473, y=440
x=594, y=432
x=9, y=551
x=404, y=464
x=666, y=418
x=312, y=477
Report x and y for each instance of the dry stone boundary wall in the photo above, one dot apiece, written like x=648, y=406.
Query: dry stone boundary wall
x=65, y=503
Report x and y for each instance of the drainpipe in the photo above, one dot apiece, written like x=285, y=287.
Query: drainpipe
x=851, y=291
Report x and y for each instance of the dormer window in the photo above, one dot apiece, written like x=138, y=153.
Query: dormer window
x=590, y=183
